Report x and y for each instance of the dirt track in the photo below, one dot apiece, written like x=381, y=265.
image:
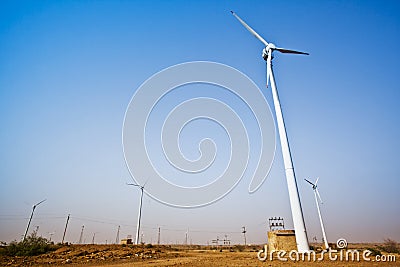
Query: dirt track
x=123, y=256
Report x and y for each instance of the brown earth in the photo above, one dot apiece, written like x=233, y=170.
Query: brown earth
x=201, y=256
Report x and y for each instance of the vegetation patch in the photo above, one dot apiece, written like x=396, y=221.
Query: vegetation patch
x=32, y=245
x=390, y=246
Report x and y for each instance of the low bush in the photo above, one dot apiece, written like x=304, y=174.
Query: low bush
x=239, y=248
x=390, y=246
x=32, y=245
x=374, y=251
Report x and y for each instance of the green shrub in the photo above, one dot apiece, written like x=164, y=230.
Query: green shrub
x=33, y=245
x=374, y=251
x=240, y=248
x=390, y=246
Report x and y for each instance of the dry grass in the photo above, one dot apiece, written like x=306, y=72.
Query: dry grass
x=197, y=256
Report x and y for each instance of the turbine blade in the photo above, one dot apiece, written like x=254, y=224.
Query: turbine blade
x=309, y=182
x=40, y=202
x=316, y=182
x=250, y=29
x=319, y=196
x=288, y=51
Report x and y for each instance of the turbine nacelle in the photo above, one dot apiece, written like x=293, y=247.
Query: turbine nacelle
x=314, y=187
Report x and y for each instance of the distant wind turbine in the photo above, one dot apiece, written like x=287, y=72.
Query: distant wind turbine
x=316, y=193
x=30, y=219
x=140, y=212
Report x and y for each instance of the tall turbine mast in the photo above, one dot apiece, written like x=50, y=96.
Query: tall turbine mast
x=244, y=234
x=297, y=213
x=140, y=212
x=117, y=237
x=316, y=193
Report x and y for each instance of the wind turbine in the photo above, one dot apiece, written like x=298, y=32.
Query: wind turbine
x=30, y=219
x=140, y=212
x=297, y=213
x=51, y=235
x=316, y=193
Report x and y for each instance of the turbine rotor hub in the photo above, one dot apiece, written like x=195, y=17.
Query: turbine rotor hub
x=271, y=46
x=266, y=51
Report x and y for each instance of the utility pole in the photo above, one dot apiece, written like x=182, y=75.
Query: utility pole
x=215, y=241
x=159, y=233
x=80, y=238
x=117, y=238
x=65, y=229
x=30, y=219
x=244, y=234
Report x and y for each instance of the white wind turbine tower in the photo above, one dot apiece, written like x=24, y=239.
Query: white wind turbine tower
x=316, y=193
x=140, y=212
x=297, y=213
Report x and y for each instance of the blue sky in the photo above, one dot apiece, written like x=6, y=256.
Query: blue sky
x=68, y=70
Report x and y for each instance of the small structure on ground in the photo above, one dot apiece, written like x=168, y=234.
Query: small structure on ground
x=278, y=237
x=282, y=240
x=126, y=241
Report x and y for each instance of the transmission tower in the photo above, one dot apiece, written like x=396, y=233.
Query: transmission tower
x=80, y=238
x=65, y=229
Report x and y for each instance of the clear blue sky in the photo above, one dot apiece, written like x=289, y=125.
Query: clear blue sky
x=68, y=70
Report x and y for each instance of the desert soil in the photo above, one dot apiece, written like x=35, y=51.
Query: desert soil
x=196, y=256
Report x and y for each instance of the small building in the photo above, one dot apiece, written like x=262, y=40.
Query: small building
x=282, y=240
x=126, y=241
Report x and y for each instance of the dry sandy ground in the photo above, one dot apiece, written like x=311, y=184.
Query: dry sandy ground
x=123, y=256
